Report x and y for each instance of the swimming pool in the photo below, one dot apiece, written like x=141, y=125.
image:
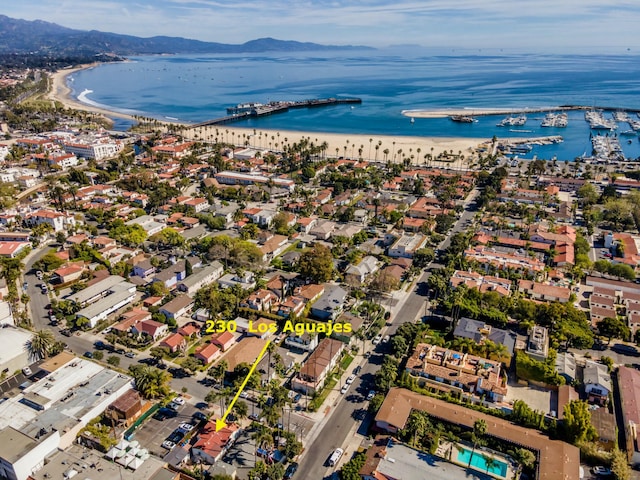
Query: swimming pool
x=498, y=468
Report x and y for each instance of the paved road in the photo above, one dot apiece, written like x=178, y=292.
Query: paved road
x=341, y=415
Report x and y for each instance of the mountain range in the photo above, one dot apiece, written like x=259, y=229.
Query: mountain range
x=44, y=38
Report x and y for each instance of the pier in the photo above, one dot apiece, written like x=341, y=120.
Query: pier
x=248, y=110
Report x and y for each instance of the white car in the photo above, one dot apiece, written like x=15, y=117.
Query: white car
x=187, y=427
x=386, y=339
x=600, y=470
x=344, y=388
x=371, y=394
x=351, y=379
x=168, y=444
x=179, y=400
x=377, y=339
x=27, y=372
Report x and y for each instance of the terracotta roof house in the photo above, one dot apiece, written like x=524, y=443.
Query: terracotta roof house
x=210, y=446
x=150, y=327
x=174, y=342
x=313, y=373
x=224, y=340
x=207, y=353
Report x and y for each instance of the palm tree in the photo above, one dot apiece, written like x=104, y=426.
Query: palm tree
x=489, y=462
x=40, y=344
x=151, y=382
x=479, y=430
x=270, y=349
x=417, y=424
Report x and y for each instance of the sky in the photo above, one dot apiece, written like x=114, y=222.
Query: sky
x=535, y=25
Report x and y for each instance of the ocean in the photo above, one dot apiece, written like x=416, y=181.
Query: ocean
x=195, y=88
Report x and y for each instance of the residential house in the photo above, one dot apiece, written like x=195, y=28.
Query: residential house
x=57, y=220
x=174, y=343
x=69, y=273
x=171, y=275
x=317, y=367
x=566, y=366
x=12, y=249
x=406, y=245
x=179, y=306
x=262, y=300
x=479, y=332
x=544, y=292
x=211, y=445
x=155, y=330
x=246, y=281
x=306, y=342
x=201, y=278
x=358, y=274
x=449, y=370
x=207, y=353
x=597, y=382
x=224, y=340
x=144, y=268
x=330, y=304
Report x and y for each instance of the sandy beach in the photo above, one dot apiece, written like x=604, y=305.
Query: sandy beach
x=261, y=138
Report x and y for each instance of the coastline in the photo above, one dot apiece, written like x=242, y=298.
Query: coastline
x=59, y=91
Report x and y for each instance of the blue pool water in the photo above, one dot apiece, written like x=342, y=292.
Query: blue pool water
x=499, y=468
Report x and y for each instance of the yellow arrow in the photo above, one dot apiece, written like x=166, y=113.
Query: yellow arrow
x=220, y=422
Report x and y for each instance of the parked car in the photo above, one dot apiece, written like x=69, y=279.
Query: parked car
x=377, y=339
x=297, y=397
x=66, y=332
x=88, y=354
x=167, y=412
x=290, y=471
x=386, y=339
x=371, y=394
x=187, y=427
x=356, y=370
x=179, y=400
x=27, y=372
x=350, y=379
x=168, y=444
x=173, y=406
x=130, y=354
x=176, y=436
x=254, y=417
x=602, y=471
x=199, y=416
x=99, y=345
x=44, y=289
x=344, y=388
x=39, y=275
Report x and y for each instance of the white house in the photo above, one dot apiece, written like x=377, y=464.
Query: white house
x=201, y=278
x=597, y=382
x=58, y=221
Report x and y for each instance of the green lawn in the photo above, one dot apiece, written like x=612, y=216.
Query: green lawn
x=317, y=402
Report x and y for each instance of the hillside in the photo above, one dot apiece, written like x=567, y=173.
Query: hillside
x=49, y=39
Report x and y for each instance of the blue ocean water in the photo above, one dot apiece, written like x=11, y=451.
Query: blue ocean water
x=195, y=88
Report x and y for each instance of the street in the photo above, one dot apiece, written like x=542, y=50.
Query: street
x=341, y=416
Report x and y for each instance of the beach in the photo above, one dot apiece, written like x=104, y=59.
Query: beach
x=408, y=146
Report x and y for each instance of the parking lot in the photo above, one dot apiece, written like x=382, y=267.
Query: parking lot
x=153, y=432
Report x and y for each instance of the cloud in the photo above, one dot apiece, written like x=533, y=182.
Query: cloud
x=482, y=23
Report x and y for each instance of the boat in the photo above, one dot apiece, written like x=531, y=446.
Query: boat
x=463, y=118
x=629, y=133
x=413, y=120
x=511, y=121
x=559, y=120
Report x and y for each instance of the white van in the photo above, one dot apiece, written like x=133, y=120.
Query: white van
x=335, y=457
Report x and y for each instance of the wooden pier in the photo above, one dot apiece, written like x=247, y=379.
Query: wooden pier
x=244, y=111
